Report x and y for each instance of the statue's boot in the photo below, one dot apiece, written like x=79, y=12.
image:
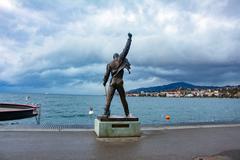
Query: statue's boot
x=126, y=111
x=106, y=113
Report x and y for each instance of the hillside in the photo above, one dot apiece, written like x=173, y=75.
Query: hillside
x=172, y=86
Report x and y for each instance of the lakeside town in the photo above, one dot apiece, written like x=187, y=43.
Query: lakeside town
x=223, y=92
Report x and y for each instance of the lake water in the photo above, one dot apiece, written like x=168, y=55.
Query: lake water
x=73, y=109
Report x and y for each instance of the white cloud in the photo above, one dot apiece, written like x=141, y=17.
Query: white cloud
x=73, y=71
x=8, y=5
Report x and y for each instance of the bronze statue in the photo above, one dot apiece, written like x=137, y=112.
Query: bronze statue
x=116, y=68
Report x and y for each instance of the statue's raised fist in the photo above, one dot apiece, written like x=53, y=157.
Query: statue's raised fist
x=130, y=35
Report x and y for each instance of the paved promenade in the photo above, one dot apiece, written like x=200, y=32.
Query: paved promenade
x=174, y=143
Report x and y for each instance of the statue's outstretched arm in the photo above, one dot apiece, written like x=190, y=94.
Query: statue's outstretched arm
x=127, y=47
x=106, y=76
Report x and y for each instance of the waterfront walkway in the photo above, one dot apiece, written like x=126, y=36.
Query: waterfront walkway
x=169, y=143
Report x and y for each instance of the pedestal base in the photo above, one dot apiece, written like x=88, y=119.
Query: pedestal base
x=116, y=126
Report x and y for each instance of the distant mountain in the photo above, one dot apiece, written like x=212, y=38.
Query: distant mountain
x=171, y=86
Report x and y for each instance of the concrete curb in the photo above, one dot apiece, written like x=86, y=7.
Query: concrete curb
x=23, y=129
x=189, y=127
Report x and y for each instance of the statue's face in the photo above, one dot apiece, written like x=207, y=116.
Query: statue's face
x=115, y=56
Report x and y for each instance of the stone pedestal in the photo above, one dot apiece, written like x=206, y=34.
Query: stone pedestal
x=117, y=126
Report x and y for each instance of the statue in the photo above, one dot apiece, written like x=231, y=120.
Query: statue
x=116, y=68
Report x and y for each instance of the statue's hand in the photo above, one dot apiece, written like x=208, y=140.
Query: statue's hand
x=104, y=84
x=130, y=35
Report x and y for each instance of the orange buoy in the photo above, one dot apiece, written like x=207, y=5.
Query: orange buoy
x=167, y=117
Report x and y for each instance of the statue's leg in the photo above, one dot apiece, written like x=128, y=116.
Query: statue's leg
x=111, y=91
x=122, y=94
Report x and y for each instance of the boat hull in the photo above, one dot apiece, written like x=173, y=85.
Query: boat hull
x=10, y=111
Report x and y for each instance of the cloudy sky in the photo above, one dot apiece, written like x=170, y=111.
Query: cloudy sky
x=62, y=46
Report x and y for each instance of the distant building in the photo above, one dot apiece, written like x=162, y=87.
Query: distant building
x=224, y=92
x=189, y=95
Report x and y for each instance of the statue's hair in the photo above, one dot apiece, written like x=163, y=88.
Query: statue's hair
x=115, y=55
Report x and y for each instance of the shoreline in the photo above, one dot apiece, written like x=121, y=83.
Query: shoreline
x=76, y=128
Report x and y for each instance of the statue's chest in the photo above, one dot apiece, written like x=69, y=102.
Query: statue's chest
x=115, y=65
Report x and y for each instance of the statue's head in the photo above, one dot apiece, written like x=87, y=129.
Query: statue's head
x=115, y=56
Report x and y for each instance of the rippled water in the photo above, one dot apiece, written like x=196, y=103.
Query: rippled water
x=73, y=109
